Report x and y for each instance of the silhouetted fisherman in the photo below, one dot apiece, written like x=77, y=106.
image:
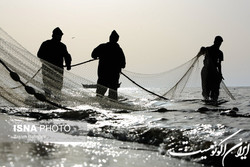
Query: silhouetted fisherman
x=111, y=61
x=211, y=74
x=54, y=52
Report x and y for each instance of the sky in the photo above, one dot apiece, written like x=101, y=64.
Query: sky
x=155, y=35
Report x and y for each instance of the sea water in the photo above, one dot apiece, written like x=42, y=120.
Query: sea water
x=175, y=133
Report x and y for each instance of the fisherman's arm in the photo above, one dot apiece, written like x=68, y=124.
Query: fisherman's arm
x=221, y=58
x=219, y=69
x=95, y=54
x=98, y=51
x=67, y=58
x=41, y=52
x=202, y=51
x=123, y=60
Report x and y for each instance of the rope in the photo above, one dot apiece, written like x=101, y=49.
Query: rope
x=223, y=85
x=31, y=90
x=126, y=77
x=29, y=79
x=81, y=63
x=186, y=73
x=143, y=87
x=174, y=87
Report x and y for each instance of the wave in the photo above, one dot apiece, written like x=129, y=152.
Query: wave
x=121, y=125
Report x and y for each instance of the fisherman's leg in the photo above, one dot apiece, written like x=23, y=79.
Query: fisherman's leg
x=114, y=85
x=46, y=88
x=113, y=94
x=214, y=94
x=205, y=84
x=46, y=81
x=100, y=90
x=60, y=80
x=101, y=86
x=216, y=88
x=205, y=94
x=58, y=85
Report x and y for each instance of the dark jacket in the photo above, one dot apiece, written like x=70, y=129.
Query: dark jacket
x=55, y=53
x=213, y=57
x=111, y=57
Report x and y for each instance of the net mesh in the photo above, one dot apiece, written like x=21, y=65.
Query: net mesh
x=170, y=84
x=15, y=59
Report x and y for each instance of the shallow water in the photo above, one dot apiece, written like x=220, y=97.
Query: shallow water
x=91, y=136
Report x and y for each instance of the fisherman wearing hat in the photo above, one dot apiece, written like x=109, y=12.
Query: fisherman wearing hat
x=53, y=53
x=111, y=61
x=211, y=74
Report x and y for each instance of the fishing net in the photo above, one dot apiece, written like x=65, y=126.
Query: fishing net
x=181, y=83
x=169, y=84
x=22, y=82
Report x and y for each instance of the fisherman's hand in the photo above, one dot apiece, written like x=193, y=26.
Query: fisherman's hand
x=202, y=51
x=222, y=78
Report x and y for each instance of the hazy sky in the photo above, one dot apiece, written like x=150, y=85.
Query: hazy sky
x=156, y=35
